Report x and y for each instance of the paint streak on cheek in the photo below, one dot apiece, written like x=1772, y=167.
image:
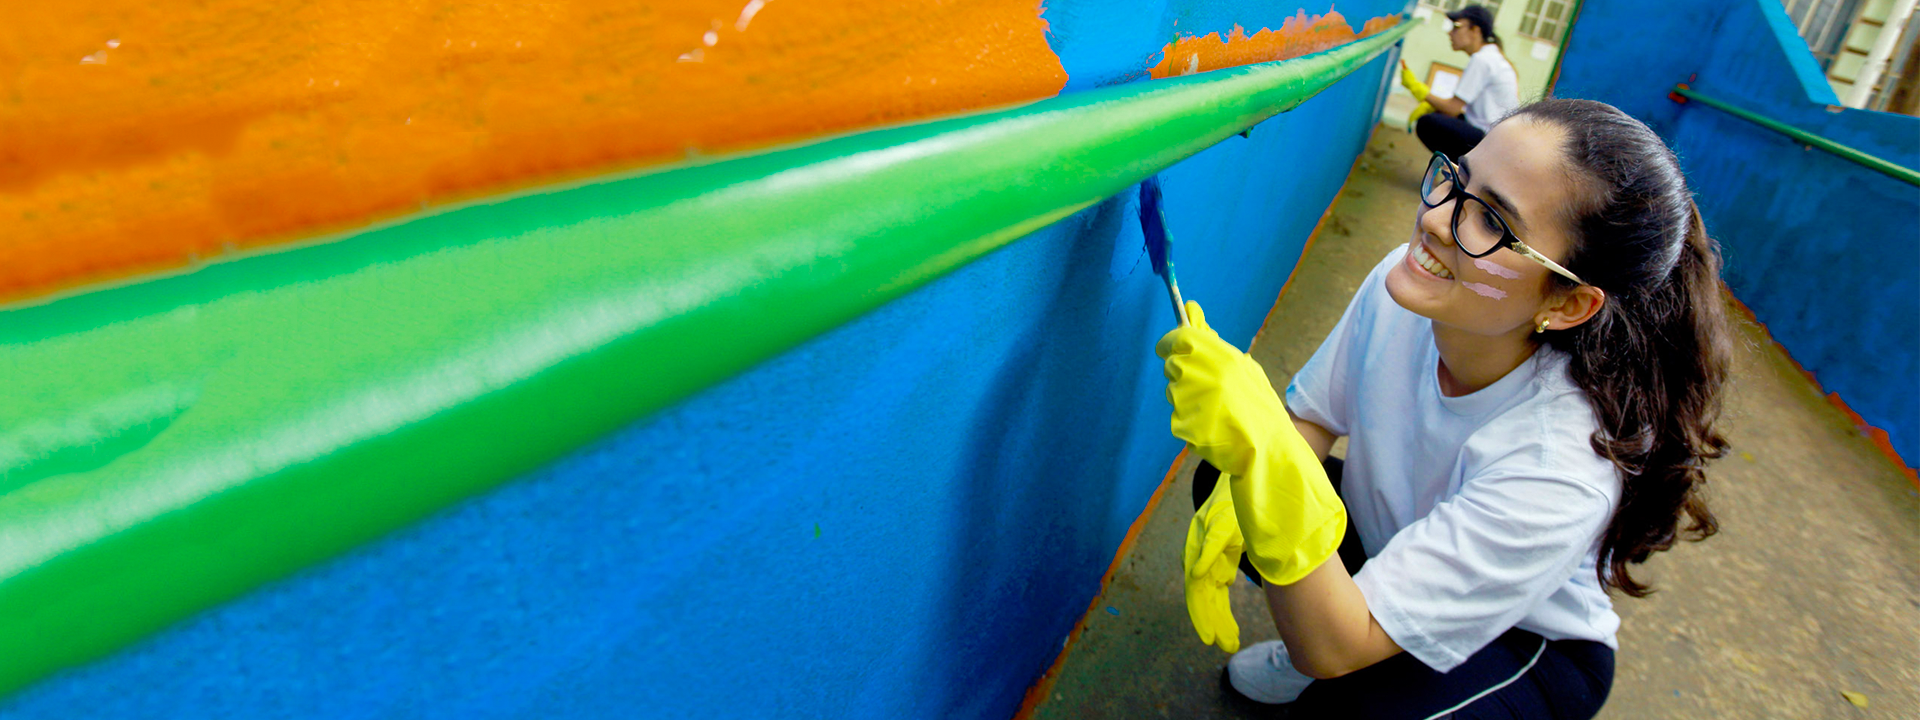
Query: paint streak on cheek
x=1494, y=268
x=1484, y=290
x=1301, y=34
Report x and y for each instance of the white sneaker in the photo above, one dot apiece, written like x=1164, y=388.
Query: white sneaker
x=1263, y=673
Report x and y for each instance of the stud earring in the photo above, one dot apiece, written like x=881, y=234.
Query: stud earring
x=1542, y=328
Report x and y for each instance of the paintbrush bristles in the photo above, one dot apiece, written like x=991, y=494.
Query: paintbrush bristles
x=1153, y=224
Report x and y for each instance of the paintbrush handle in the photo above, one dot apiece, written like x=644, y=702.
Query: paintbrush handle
x=1179, y=306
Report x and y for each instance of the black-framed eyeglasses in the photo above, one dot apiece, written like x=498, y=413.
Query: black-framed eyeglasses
x=1477, y=229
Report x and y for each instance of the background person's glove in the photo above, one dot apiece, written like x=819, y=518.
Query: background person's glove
x=1413, y=84
x=1418, y=110
x=1212, y=561
x=1223, y=405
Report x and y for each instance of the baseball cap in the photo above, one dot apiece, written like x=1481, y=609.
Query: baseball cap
x=1475, y=15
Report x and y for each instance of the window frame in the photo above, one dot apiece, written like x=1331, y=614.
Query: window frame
x=1527, y=13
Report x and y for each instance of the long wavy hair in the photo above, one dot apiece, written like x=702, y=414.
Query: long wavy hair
x=1653, y=361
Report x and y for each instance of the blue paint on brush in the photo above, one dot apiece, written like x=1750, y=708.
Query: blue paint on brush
x=1153, y=225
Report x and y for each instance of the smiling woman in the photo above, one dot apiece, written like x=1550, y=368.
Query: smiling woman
x=1517, y=437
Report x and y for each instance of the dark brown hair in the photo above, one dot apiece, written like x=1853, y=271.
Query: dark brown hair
x=1653, y=361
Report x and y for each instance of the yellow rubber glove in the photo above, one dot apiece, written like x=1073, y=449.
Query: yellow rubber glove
x=1418, y=110
x=1290, y=519
x=1413, y=84
x=1212, y=561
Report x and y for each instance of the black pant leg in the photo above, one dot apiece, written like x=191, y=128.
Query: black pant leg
x=1446, y=134
x=1351, y=552
x=1519, y=676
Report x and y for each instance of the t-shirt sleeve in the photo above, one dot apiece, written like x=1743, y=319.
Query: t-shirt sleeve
x=1319, y=392
x=1454, y=580
x=1473, y=80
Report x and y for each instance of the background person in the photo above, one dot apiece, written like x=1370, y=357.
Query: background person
x=1488, y=89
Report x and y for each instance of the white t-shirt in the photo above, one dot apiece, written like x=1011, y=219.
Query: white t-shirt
x=1489, y=87
x=1479, y=513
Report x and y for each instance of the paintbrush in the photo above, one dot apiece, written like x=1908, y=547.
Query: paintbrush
x=1153, y=224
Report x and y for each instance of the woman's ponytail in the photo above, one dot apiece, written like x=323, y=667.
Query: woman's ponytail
x=1653, y=362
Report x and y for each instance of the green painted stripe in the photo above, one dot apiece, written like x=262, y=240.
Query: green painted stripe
x=1895, y=170
x=167, y=445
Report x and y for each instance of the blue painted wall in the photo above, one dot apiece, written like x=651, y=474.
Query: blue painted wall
x=1824, y=251
x=903, y=518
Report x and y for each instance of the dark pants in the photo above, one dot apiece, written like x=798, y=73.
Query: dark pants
x=1206, y=476
x=1446, y=134
x=1518, y=675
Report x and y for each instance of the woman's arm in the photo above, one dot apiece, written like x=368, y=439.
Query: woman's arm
x=1450, y=106
x=1326, y=625
x=1318, y=438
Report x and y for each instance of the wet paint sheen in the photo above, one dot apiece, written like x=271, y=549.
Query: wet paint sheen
x=269, y=412
x=1484, y=290
x=1299, y=35
x=138, y=136
x=1496, y=269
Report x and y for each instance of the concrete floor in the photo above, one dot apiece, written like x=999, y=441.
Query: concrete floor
x=1812, y=586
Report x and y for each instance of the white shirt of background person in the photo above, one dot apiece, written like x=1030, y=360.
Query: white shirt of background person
x=1489, y=87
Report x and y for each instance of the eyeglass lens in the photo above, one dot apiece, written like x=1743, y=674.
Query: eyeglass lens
x=1476, y=227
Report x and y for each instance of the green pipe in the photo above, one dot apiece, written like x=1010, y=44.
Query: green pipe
x=1898, y=172
x=169, y=444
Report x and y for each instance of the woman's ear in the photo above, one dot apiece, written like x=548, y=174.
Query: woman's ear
x=1575, y=307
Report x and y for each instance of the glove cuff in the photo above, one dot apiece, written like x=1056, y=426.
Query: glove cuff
x=1286, y=566
x=1290, y=519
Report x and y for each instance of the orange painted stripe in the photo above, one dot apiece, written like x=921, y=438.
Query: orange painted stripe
x=1299, y=35
x=1875, y=435
x=139, y=136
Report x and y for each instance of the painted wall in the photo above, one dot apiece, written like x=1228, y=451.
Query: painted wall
x=902, y=518
x=1818, y=247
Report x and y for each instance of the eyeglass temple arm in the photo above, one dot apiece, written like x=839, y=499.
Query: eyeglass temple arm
x=1542, y=259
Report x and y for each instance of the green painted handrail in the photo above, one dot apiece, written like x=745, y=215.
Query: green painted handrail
x=169, y=444
x=1897, y=171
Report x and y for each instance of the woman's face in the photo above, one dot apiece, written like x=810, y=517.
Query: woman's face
x=1517, y=170
x=1462, y=35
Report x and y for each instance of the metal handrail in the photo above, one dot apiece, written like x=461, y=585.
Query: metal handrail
x=1877, y=164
